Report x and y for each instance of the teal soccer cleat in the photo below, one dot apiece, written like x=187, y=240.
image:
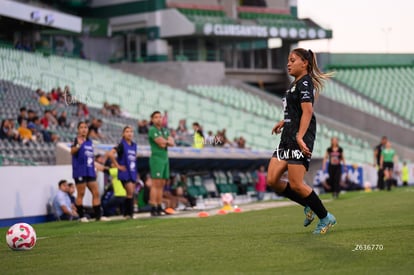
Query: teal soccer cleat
x=310, y=216
x=325, y=224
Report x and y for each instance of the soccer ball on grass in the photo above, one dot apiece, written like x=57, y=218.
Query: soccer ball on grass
x=21, y=236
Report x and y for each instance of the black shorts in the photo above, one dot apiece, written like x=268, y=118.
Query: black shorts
x=124, y=182
x=86, y=179
x=292, y=154
x=388, y=165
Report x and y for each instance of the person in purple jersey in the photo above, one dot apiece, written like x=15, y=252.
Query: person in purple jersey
x=298, y=136
x=125, y=161
x=83, y=172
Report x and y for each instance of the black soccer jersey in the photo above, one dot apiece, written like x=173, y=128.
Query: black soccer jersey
x=298, y=92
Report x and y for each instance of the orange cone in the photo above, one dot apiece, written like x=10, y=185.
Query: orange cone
x=222, y=212
x=237, y=210
x=203, y=214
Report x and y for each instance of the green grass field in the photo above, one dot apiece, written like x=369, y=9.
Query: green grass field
x=268, y=241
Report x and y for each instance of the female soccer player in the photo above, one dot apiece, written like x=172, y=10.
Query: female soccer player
x=388, y=157
x=335, y=156
x=298, y=135
x=83, y=170
x=127, y=169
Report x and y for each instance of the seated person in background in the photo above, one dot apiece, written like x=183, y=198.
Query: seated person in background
x=22, y=116
x=114, y=197
x=180, y=190
x=71, y=192
x=168, y=198
x=25, y=133
x=61, y=203
x=171, y=197
x=7, y=130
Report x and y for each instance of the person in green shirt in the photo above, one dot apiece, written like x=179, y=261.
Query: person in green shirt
x=388, y=157
x=159, y=140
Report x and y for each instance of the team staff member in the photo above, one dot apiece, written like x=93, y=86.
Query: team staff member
x=83, y=172
x=127, y=169
x=298, y=136
x=388, y=157
x=377, y=162
x=159, y=140
x=335, y=156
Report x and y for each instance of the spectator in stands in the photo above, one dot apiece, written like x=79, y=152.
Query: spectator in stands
x=25, y=133
x=198, y=138
x=31, y=115
x=182, y=127
x=43, y=100
x=126, y=161
x=388, y=157
x=219, y=139
x=54, y=94
x=241, y=143
x=61, y=203
x=298, y=136
x=210, y=139
x=105, y=109
x=83, y=172
x=377, y=162
x=22, y=115
x=261, y=183
x=94, y=129
x=41, y=133
x=36, y=128
x=62, y=121
x=48, y=120
x=143, y=127
x=7, y=130
x=83, y=111
x=164, y=123
x=159, y=139
x=179, y=140
x=335, y=158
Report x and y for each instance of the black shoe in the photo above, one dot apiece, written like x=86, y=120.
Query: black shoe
x=154, y=212
x=160, y=211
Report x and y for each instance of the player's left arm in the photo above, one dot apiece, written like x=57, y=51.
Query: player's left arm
x=307, y=111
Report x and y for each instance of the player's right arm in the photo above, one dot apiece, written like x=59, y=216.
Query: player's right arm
x=278, y=127
x=76, y=146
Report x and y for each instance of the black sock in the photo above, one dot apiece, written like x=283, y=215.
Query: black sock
x=159, y=209
x=316, y=205
x=290, y=194
x=79, y=209
x=98, y=212
x=128, y=205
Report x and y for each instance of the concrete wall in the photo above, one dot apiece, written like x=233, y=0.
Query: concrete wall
x=27, y=190
x=177, y=74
